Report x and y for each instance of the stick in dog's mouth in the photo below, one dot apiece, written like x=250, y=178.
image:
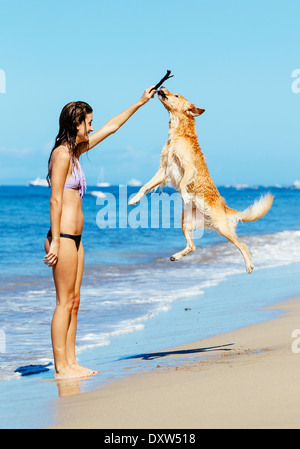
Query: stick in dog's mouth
x=162, y=94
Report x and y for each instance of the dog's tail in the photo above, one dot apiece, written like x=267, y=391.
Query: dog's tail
x=255, y=211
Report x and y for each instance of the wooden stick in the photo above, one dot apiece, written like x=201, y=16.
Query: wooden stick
x=166, y=77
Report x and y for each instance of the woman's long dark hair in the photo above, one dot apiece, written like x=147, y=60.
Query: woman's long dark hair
x=72, y=115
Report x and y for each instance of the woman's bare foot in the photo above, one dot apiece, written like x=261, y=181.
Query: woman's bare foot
x=68, y=373
x=84, y=371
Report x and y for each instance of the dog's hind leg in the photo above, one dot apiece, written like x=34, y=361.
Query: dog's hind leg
x=188, y=233
x=223, y=227
x=188, y=224
x=154, y=182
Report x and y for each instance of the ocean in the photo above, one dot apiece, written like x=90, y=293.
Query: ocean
x=135, y=302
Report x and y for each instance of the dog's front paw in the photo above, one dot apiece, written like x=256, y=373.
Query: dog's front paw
x=135, y=199
x=249, y=268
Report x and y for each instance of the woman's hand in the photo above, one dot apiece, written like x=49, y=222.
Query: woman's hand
x=52, y=257
x=149, y=93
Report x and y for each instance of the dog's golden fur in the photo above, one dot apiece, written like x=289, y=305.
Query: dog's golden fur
x=184, y=166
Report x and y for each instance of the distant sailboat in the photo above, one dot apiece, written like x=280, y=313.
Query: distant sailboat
x=97, y=194
x=39, y=182
x=102, y=183
x=296, y=184
x=134, y=183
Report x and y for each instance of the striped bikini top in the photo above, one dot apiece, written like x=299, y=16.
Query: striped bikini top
x=77, y=178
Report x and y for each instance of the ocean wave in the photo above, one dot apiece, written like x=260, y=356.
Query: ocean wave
x=117, y=301
x=146, y=291
x=268, y=251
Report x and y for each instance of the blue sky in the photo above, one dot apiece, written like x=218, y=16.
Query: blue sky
x=233, y=58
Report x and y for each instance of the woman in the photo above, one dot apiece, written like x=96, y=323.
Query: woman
x=63, y=246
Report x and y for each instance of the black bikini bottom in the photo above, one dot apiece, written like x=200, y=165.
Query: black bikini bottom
x=76, y=238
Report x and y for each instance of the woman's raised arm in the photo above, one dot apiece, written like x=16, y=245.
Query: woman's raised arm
x=116, y=122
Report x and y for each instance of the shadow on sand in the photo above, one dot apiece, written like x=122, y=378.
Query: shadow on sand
x=183, y=352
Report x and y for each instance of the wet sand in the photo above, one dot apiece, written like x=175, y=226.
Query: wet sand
x=248, y=378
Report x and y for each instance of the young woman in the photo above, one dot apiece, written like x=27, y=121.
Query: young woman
x=63, y=246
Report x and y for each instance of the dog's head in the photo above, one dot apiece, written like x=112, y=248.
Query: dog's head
x=177, y=104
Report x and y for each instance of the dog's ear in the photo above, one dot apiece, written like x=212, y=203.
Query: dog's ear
x=193, y=111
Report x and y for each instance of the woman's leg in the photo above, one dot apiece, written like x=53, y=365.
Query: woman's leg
x=64, y=274
x=71, y=336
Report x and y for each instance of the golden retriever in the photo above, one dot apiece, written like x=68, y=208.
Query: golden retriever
x=184, y=166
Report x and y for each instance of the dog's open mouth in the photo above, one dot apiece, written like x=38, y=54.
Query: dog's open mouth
x=161, y=93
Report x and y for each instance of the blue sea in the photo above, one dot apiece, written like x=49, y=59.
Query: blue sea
x=136, y=305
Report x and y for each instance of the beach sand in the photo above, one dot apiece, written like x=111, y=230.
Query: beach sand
x=248, y=378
